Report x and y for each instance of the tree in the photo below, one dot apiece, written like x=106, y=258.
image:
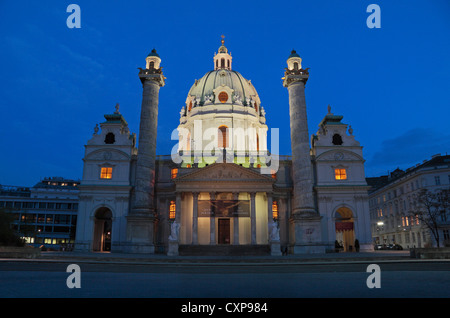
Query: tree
x=433, y=209
x=7, y=236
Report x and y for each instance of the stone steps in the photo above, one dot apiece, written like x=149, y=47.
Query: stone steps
x=224, y=250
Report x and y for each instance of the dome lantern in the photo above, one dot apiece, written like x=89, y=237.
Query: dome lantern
x=222, y=60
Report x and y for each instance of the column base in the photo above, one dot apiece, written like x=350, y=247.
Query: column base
x=173, y=248
x=140, y=228
x=275, y=248
x=82, y=246
x=306, y=236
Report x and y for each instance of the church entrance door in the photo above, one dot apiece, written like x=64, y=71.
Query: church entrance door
x=345, y=233
x=102, y=230
x=224, y=231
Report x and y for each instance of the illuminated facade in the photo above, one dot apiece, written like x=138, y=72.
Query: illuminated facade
x=394, y=204
x=222, y=190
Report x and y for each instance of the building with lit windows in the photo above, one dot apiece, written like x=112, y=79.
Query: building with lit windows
x=222, y=190
x=45, y=214
x=393, y=202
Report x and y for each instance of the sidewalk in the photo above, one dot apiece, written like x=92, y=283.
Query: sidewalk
x=377, y=256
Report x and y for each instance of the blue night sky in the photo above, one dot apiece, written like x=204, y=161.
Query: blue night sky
x=390, y=84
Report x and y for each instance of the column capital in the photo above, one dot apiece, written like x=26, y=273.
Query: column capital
x=152, y=76
x=293, y=76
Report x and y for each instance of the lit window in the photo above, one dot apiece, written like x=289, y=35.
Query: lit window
x=223, y=137
x=174, y=173
x=340, y=174
x=275, y=210
x=223, y=97
x=172, y=209
x=257, y=142
x=106, y=173
x=190, y=106
x=274, y=174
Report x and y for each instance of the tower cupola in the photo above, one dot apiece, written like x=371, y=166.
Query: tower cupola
x=153, y=60
x=294, y=61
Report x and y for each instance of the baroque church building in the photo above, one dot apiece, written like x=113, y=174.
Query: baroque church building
x=222, y=190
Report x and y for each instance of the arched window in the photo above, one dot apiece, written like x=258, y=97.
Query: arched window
x=190, y=106
x=174, y=173
x=257, y=142
x=151, y=65
x=110, y=138
x=295, y=66
x=222, y=63
x=188, y=141
x=222, y=137
x=228, y=64
x=337, y=139
x=172, y=210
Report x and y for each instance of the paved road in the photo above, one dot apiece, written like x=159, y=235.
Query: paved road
x=427, y=279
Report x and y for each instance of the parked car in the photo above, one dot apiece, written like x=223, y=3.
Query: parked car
x=380, y=247
x=394, y=247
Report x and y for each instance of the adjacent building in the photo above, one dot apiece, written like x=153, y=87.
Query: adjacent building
x=45, y=214
x=393, y=201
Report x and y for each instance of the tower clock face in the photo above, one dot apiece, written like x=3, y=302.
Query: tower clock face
x=338, y=156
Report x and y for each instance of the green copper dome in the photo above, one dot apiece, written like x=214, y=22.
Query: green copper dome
x=293, y=54
x=243, y=88
x=153, y=53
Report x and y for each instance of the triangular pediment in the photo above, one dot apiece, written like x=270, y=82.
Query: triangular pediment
x=224, y=172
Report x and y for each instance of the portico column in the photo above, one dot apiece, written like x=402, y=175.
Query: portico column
x=178, y=207
x=236, y=223
x=253, y=217
x=195, y=219
x=269, y=207
x=212, y=222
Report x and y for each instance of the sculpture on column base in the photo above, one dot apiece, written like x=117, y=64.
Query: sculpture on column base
x=274, y=239
x=173, y=239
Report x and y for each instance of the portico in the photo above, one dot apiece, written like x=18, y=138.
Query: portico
x=224, y=204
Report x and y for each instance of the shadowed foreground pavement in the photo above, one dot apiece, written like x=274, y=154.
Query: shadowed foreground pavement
x=157, y=276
